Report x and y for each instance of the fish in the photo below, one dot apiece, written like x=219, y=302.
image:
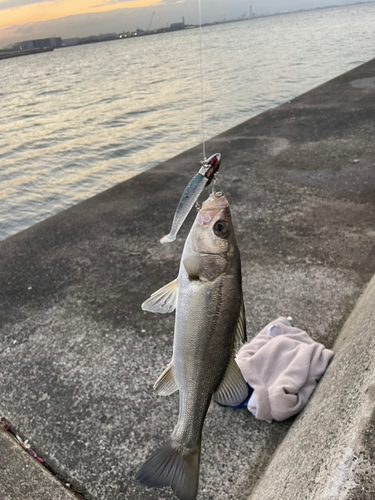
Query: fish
x=209, y=324
x=191, y=194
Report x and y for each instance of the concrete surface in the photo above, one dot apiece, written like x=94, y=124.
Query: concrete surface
x=23, y=477
x=79, y=357
x=329, y=453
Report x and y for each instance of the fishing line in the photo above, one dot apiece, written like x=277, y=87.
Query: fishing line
x=201, y=68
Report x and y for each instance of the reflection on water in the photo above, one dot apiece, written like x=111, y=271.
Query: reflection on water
x=78, y=120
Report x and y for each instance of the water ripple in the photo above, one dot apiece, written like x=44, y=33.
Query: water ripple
x=76, y=121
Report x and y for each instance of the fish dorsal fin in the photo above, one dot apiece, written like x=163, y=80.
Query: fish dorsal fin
x=163, y=300
x=233, y=389
x=241, y=336
x=166, y=384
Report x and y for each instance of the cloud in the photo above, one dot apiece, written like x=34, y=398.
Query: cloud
x=25, y=29
x=54, y=9
x=78, y=26
x=111, y=2
x=11, y=4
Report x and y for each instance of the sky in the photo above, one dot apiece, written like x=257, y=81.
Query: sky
x=29, y=19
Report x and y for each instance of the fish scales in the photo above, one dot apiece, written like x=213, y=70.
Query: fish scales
x=200, y=362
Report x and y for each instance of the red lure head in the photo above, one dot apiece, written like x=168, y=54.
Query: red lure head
x=212, y=165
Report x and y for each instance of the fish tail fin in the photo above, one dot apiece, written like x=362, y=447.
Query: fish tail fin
x=168, y=238
x=175, y=466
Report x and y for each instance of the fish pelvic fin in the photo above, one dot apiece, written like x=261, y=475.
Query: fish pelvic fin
x=166, y=384
x=233, y=388
x=168, y=238
x=163, y=300
x=173, y=465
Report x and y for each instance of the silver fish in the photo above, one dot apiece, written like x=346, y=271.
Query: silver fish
x=210, y=321
x=192, y=191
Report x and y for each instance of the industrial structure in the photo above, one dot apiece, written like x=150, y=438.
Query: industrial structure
x=44, y=43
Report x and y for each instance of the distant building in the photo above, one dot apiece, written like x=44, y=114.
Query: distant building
x=38, y=44
x=89, y=39
x=138, y=32
x=107, y=36
x=70, y=41
x=178, y=26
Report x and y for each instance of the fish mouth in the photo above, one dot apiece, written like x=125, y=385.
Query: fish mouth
x=216, y=201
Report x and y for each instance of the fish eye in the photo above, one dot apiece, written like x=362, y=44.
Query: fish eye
x=221, y=228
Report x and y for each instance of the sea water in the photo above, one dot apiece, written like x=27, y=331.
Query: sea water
x=79, y=120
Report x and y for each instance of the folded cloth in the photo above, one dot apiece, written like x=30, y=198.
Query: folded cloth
x=283, y=365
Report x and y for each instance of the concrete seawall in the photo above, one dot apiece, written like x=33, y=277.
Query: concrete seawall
x=328, y=453
x=78, y=355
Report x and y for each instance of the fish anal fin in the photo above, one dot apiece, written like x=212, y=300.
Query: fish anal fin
x=163, y=300
x=166, y=384
x=233, y=389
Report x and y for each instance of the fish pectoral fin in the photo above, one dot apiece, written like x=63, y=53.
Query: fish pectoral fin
x=166, y=384
x=163, y=300
x=241, y=336
x=233, y=389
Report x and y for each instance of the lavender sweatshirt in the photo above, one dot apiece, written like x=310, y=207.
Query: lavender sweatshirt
x=283, y=365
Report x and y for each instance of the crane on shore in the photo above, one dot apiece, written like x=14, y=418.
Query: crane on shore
x=149, y=24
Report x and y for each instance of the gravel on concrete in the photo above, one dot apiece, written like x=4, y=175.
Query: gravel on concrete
x=23, y=477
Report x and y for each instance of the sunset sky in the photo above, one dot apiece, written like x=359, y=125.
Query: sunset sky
x=28, y=19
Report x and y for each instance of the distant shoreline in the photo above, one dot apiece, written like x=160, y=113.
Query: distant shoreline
x=140, y=33
x=19, y=53
x=5, y=54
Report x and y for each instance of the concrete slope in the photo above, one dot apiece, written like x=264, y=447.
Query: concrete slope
x=329, y=452
x=79, y=357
